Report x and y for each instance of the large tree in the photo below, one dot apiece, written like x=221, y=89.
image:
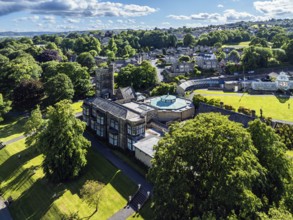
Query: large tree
x=78, y=75
x=86, y=59
x=4, y=107
x=62, y=143
x=289, y=51
x=28, y=93
x=58, y=88
x=205, y=167
x=271, y=155
x=13, y=72
x=140, y=77
x=188, y=40
x=91, y=192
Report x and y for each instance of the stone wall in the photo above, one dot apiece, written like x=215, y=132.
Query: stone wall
x=233, y=116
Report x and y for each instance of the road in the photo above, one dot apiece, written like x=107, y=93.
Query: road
x=4, y=212
x=159, y=70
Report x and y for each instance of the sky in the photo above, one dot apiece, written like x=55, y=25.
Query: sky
x=72, y=15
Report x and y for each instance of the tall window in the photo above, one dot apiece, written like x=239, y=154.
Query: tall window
x=86, y=111
x=113, y=139
x=100, y=131
x=130, y=144
x=93, y=124
x=100, y=119
x=94, y=113
x=114, y=124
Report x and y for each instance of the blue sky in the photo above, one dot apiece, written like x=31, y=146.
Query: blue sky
x=69, y=15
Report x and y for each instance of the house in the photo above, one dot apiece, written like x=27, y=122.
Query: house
x=179, y=68
x=206, y=61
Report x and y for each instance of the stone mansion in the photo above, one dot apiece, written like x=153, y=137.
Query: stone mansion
x=128, y=122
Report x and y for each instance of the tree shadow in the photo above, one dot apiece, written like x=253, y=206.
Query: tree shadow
x=11, y=127
x=14, y=162
x=35, y=202
x=283, y=98
x=101, y=170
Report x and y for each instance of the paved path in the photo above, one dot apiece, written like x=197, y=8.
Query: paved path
x=4, y=212
x=14, y=139
x=116, y=161
x=125, y=168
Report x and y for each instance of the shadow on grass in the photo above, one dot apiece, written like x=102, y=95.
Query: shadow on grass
x=11, y=127
x=146, y=212
x=99, y=169
x=283, y=98
x=35, y=202
x=13, y=163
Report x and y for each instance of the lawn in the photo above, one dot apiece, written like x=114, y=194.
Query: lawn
x=131, y=162
x=11, y=128
x=238, y=45
x=281, y=109
x=36, y=198
x=77, y=106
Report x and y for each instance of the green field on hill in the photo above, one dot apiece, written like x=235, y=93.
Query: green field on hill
x=272, y=106
x=238, y=45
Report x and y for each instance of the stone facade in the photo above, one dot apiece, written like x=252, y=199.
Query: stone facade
x=116, y=124
x=105, y=82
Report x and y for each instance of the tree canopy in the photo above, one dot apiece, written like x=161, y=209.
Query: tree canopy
x=139, y=77
x=58, y=88
x=198, y=162
x=61, y=142
x=4, y=107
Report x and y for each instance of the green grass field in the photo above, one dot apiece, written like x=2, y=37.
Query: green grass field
x=238, y=45
x=271, y=105
x=11, y=128
x=23, y=179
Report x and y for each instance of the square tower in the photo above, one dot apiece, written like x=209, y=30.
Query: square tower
x=105, y=82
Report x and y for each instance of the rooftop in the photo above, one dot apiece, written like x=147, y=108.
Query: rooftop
x=147, y=144
x=114, y=109
x=168, y=102
x=138, y=107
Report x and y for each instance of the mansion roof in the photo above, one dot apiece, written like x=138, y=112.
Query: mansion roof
x=114, y=109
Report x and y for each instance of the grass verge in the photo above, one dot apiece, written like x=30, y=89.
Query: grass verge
x=131, y=162
x=36, y=198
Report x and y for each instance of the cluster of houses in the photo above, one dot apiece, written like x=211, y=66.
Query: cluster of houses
x=203, y=57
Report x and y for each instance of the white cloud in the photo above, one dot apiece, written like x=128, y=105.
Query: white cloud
x=275, y=7
x=33, y=18
x=76, y=8
x=220, y=6
x=72, y=21
x=229, y=15
x=49, y=19
x=166, y=23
